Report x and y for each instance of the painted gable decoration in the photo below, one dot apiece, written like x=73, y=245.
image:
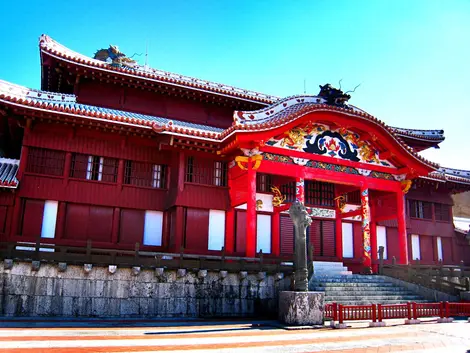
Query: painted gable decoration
x=320, y=139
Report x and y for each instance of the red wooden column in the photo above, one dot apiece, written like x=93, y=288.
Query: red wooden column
x=276, y=234
x=339, y=228
x=373, y=246
x=366, y=227
x=179, y=229
x=402, y=239
x=300, y=190
x=251, y=212
x=229, y=231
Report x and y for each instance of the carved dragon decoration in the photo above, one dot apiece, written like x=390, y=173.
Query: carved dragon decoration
x=278, y=198
x=115, y=57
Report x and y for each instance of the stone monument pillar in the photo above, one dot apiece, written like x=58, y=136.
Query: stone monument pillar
x=300, y=307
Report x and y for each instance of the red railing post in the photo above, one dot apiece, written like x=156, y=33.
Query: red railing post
x=447, y=309
x=379, y=312
x=441, y=310
x=335, y=311
x=415, y=313
x=340, y=314
x=408, y=306
x=374, y=313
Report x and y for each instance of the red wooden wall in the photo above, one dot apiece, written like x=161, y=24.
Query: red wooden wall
x=287, y=235
x=152, y=103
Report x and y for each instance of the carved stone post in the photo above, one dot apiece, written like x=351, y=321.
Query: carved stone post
x=301, y=220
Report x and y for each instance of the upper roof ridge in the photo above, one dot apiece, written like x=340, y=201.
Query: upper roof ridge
x=52, y=46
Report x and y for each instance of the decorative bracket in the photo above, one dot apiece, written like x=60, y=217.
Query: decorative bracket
x=406, y=185
x=242, y=161
x=340, y=202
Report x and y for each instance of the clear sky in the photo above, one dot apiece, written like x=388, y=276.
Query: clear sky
x=411, y=57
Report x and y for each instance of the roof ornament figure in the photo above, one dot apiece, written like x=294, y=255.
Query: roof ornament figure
x=335, y=96
x=115, y=57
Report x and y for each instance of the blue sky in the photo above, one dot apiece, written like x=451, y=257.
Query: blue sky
x=411, y=57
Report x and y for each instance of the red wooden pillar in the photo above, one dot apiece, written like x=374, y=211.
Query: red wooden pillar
x=402, y=239
x=300, y=190
x=23, y=162
x=67, y=166
x=116, y=224
x=373, y=246
x=251, y=212
x=339, y=229
x=229, y=231
x=15, y=222
x=366, y=250
x=276, y=234
x=179, y=229
x=60, y=223
x=120, y=173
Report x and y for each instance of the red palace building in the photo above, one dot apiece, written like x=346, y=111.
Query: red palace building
x=120, y=154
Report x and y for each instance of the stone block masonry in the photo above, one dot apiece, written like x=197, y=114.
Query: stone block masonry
x=50, y=291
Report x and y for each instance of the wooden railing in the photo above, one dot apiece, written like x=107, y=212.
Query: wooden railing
x=444, y=278
x=379, y=312
x=76, y=255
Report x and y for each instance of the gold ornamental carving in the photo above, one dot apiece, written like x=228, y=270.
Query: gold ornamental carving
x=278, y=198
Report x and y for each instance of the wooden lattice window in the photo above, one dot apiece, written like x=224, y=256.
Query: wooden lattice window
x=319, y=193
x=420, y=209
x=44, y=161
x=354, y=197
x=145, y=174
x=263, y=182
x=205, y=171
x=288, y=190
x=442, y=212
x=94, y=168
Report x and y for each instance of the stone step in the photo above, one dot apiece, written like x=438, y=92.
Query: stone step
x=372, y=298
x=369, y=289
x=366, y=302
x=353, y=276
x=353, y=282
x=345, y=273
x=325, y=277
x=361, y=292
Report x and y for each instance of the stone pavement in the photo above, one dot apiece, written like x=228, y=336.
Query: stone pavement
x=197, y=336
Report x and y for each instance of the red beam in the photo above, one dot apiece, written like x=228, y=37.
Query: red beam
x=351, y=213
x=325, y=159
x=294, y=170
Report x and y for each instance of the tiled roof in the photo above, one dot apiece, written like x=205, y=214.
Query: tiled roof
x=254, y=121
x=50, y=46
x=8, y=169
x=431, y=135
x=67, y=104
x=291, y=108
x=453, y=175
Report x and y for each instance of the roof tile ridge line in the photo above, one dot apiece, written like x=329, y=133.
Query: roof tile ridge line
x=289, y=98
x=45, y=40
x=8, y=84
x=408, y=129
x=111, y=117
x=454, y=169
x=9, y=160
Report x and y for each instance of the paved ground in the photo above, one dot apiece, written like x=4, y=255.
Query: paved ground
x=79, y=336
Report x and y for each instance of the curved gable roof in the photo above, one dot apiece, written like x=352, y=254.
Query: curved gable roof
x=291, y=109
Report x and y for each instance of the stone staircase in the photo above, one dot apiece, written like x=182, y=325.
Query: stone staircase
x=360, y=289
x=325, y=268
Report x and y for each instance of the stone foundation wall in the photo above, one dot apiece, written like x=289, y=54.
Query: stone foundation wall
x=81, y=291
